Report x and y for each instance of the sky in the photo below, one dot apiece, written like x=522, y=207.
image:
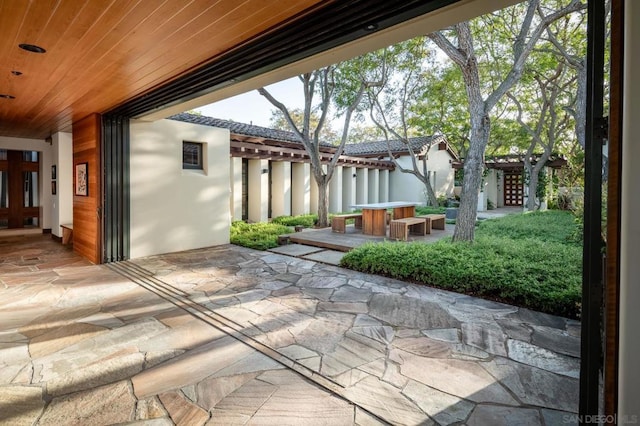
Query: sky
x=253, y=108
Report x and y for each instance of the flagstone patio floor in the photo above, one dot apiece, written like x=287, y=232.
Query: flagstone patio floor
x=227, y=335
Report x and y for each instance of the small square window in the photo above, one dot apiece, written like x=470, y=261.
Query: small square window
x=192, y=155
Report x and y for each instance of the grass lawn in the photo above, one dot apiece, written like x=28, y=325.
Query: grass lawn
x=528, y=260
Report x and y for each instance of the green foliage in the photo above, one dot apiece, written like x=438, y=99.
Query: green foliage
x=524, y=260
x=547, y=226
x=306, y=220
x=421, y=210
x=543, y=183
x=458, y=177
x=259, y=236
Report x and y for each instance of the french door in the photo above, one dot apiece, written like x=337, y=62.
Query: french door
x=19, y=194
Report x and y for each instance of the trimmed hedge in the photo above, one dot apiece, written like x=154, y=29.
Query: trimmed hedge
x=527, y=262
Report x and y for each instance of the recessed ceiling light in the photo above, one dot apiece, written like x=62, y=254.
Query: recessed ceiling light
x=14, y=72
x=371, y=27
x=31, y=48
x=3, y=96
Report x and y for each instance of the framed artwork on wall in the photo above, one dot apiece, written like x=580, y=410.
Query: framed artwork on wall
x=53, y=172
x=82, y=179
x=53, y=187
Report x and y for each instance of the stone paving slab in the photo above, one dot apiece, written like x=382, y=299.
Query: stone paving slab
x=295, y=249
x=431, y=355
x=331, y=257
x=88, y=346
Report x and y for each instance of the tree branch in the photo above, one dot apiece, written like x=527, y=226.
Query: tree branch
x=447, y=47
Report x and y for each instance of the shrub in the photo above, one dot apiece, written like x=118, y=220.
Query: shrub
x=306, y=220
x=420, y=210
x=517, y=263
x=259, y=236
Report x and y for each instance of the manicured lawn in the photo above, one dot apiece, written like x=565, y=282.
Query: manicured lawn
x=528, y=260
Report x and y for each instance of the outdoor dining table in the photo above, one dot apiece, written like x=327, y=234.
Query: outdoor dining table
x=374, y=215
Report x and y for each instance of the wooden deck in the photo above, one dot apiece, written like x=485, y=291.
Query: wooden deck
x=353, y=237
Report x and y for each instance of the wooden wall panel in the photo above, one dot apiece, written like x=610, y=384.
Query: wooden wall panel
x=86, y=220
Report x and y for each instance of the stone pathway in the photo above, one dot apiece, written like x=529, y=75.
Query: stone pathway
x=228, y=335
x=317, y=254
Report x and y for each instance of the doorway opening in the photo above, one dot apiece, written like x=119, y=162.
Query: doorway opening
x=19, y=189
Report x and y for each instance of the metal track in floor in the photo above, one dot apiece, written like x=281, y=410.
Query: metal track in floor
x=147, y=280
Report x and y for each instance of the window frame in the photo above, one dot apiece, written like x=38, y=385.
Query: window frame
x=199, y=152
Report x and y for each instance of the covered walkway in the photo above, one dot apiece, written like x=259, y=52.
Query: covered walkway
x=227, y=335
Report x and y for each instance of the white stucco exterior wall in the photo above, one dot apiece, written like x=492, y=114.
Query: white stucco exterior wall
x=406, y=187
x=44, y=175
x=629, y=373
x=491, y=187
x=174, y=209
x=62, y=205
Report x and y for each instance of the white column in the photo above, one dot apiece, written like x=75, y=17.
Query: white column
x=280, y=188
x=235, y=198
x=362, y=186
x=348, y=188
x=300, y=188
x=383, y=192
x=374, y=185
x=258, y=183
x=335, y=191
x=629, y=373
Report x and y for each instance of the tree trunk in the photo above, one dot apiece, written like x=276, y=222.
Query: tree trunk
x=473, y=168
x=432, y=200
x=323, y=201
x=534, y=179
x=532, y=188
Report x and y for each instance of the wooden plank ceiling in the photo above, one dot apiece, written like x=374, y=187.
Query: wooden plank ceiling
x=101, y=53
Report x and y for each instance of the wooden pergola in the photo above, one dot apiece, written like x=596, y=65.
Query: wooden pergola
x=275, y=150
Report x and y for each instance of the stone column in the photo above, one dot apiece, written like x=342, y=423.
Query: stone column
x=280, y=188
x=300, y=188
x=258, y=181
x=335, y=191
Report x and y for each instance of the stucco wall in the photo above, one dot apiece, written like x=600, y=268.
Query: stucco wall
x=491, y=187
x=174, y=209
x=406, y=187
x=46, y=160
x=62, y=202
